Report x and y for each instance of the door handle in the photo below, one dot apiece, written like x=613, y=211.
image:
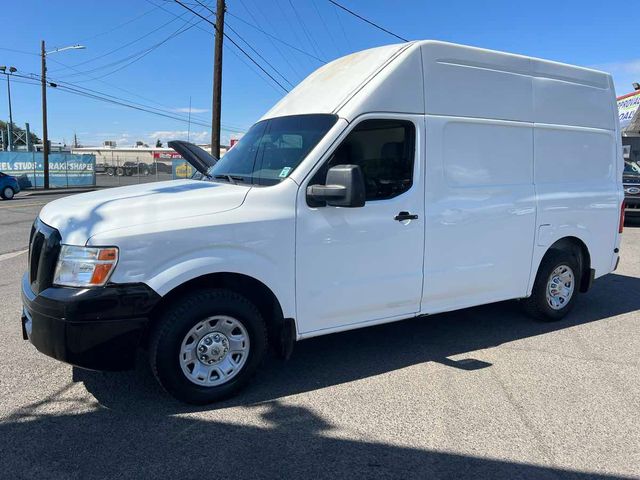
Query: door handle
x=402, y=216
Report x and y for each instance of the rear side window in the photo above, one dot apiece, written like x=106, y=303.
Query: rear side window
x=384, y=150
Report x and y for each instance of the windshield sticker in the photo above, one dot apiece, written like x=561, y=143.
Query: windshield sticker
x=284, y=172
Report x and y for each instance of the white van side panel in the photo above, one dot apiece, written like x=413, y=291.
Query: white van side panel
x=480, y=211
x=382, y=94
x=472, y=82
x=499, y=194
x=576, y=184
x=564, y=95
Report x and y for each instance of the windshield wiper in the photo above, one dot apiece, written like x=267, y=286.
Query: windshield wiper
x=230, y=178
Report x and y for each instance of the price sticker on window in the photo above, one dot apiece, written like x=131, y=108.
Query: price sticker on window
x=284, y=172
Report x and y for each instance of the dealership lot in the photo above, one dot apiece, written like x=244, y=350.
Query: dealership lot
x=483, y=392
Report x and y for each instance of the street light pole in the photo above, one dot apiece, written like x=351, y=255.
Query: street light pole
x=3, y=69
x=10, y=141
x=45, y=134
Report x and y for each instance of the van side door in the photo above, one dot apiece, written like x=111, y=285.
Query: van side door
x=481, y=211
x=364, y=265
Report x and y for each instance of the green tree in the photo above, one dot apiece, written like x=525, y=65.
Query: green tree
x=158, y=144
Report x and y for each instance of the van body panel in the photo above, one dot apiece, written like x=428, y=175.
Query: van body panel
x=260, y=243
x=334, y=83
x=381, y=93
x=470, y=82
x=480, y=211
x=359, y=265
x=79, y=217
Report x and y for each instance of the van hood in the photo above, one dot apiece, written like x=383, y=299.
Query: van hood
x=79, y=217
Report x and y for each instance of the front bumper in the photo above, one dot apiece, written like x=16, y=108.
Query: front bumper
x=95, y=328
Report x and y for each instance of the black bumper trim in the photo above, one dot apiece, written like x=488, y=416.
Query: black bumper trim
x=95, y=328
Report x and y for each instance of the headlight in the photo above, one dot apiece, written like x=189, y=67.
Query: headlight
x=85, y=266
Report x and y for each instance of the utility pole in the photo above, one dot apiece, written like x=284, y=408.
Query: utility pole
x=45, y=134
x=217, y=80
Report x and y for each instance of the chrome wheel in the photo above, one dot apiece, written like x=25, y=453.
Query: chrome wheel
x=214, y=351
x=560, y=287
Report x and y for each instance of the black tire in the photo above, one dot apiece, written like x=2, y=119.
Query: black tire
x=119, y=171
x=110, y=171
x=7, y=193
x=536, y=305
x=184, y=314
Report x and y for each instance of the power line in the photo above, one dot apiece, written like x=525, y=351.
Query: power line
x=248, y=45
x=236, y=45
x=19, y=51
x=208, y=32
x=305, y=30
x=110, y=85
x=326, y=27
x=368, y=21
x=278, y=49
x=121, y=47
x=346, y=38
x=240, y=19
x=32, y=79
x=120, y=25
x=258, y=53
x=136, y=56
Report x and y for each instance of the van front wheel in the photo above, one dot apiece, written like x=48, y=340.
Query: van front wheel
x=556, y=286
x=207, y=346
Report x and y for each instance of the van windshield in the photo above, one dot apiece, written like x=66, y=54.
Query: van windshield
x=272, y=149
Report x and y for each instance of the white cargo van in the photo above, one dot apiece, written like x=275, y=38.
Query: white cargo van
x=399, y=181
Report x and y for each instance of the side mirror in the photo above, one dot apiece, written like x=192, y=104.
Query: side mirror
x=344, y=188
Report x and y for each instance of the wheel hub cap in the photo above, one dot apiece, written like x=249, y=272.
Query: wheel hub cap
x=212, y=348
x=214, y=351
x=560, y=287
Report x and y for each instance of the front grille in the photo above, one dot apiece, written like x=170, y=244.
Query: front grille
x=44, y=248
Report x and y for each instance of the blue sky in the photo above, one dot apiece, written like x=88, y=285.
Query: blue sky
x=589, y=33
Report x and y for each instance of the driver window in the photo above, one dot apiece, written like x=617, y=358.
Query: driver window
x=384, y=150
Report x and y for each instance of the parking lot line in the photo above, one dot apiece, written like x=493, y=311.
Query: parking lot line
x=16, y=205
x=7, y=256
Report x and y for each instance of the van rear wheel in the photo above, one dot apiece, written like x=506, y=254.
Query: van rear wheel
x=556, y=286
x=207, y=346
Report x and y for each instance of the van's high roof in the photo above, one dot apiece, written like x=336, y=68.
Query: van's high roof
x=433, y=77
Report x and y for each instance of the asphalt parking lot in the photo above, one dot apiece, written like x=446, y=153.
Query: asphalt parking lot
x=480, y=393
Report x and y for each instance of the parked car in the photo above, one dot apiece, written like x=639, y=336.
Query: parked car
x=350, y=203
x=9, y=186
x=631, y=182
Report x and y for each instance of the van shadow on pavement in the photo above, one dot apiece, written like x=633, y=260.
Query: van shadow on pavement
x=295, y=443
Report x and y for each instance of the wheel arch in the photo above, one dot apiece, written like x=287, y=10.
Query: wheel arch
x=579, y=249
x=251, y=288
